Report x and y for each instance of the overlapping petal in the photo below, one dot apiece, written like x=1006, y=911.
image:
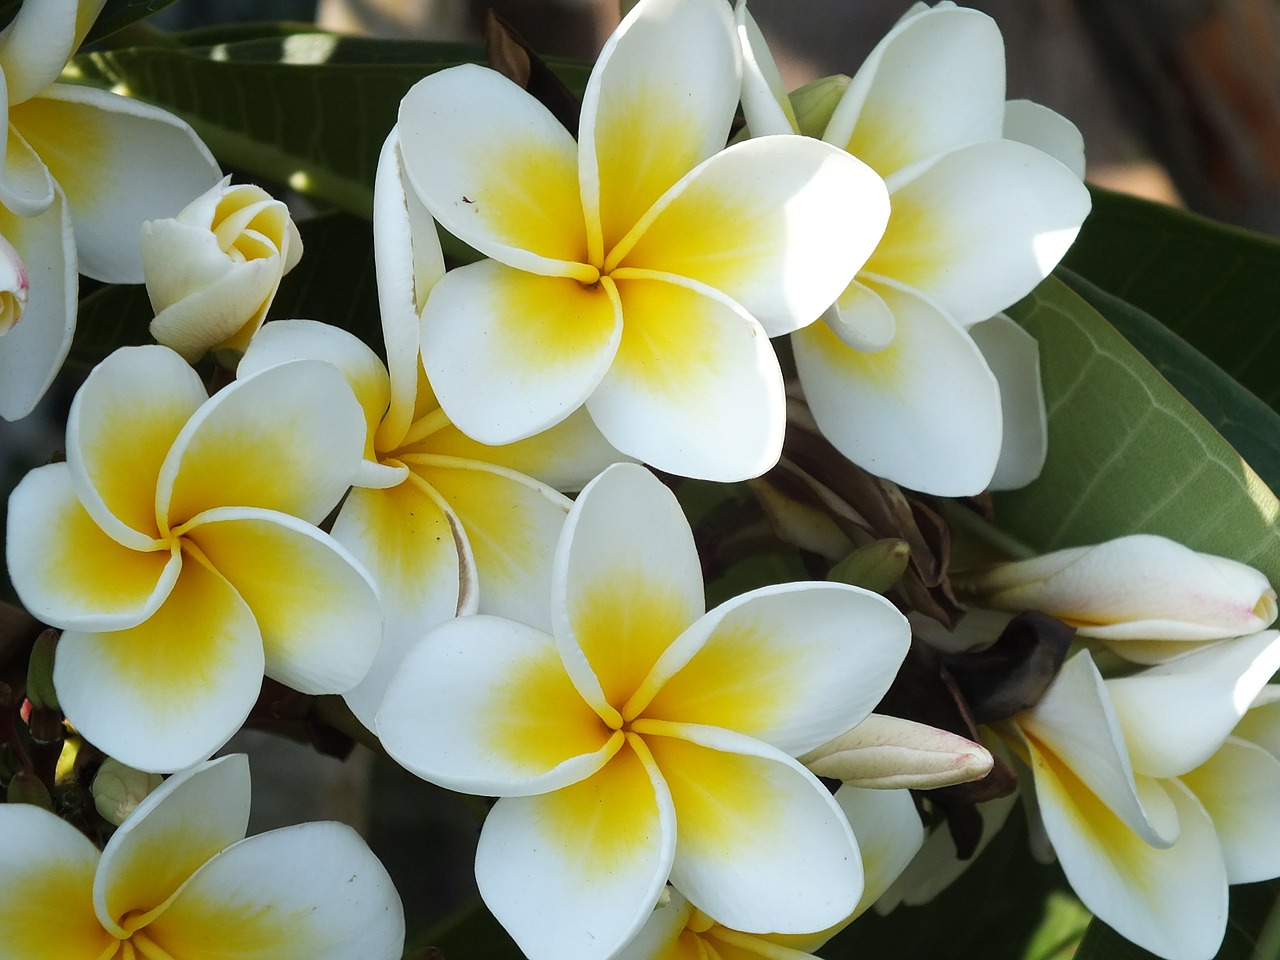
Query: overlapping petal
x=288, y=439
x=793, y=665
x=1035, y=124
x=695, y=388
x=68, y=571
x=485, y=705
x=765, y=103
x=1013, y=356
x=189, y=818
x=35, y=46
x=26, y=187
x=170, y=691
x=316, y=609
x=779, y=224
x=508, y=182
x=776, y=858
x=924, y=412
x=599, y=849
x=1240, y=789
x=511, y=353
x=46, y=888
x=122, y=423
x=889, y=834
x=627, y=582
x=308, y=892
x=120, y=162
x=643, y=128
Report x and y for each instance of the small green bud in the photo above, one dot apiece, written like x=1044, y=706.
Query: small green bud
x=878, y=566
x=25, y=787
x=40, y=672
x=815, y=102
x=118, y=789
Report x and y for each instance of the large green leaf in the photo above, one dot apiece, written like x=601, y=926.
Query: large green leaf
x=1244, y=421
x=118, y=14
x=308, y=109
x=1127, y=453
x=1216, y=286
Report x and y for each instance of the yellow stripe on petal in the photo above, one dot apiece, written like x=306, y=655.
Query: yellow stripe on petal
x=73, y=151
x=664, y=344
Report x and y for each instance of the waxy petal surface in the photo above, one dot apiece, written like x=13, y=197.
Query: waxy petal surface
x=793, y=665
x=765, y=104
x=484, y=705
x=26, y=186
x=120, y=162
x=313, y=891
x=1240, y=789
x=645, y=126
x=1038, y=126
x=779, y=224
x=576, y=872
x=495, y=168
x=1013, y=356
x=889, y=834
x=36, y=45
x=627, y=582
x=762, y=845
x=188, y=819
x=67, y=571
x=167, y=693
x=511, y=353
x=924, y=412
x=288, y=439
x=695, y=388
x=981, y=227
x=933, y=84
x=123, y=421
x=46, y=888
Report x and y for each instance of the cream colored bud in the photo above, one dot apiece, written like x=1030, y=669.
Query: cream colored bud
x=1139, y=587
x=118, y=789
x=14, y=286
x=213, y=270
x=815, y=102
x=892, y=753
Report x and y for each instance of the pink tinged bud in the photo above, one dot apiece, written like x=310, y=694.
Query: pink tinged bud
x=1139, y=587
x=14, y=286
x=886, y=752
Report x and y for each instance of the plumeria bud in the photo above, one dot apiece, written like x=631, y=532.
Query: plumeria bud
x=892, y=753
x=118, y=789
x=213, y=270
x=878, y=566
x=25, y=787
x=1139, y=587
x=815, y=102
x=13, y=286
x=40, y=671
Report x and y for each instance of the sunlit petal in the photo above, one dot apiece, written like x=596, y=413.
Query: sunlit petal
x=778, y=857
x=861, y=319
x=495, y=168
x=167, y=693
x=664, y=935
x=765, y=103
x=1240, y=788
x=510, y=354
x=120, y=162
x=67, y=571
x=779, y=224
x=627, y=582
x=644, y=128
x=695, y=388
x=924, y=412
x=576, y=872
x=794, y=665
x=1013, y=356
x=317, y=611
x=308, y=892
x=485, y=706
x=889, y=834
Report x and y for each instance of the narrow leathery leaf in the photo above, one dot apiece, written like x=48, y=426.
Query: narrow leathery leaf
x=118, y=14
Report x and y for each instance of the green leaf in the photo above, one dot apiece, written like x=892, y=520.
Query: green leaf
x=1253, y=909
x=334, y=282
x=1244, y=421
x=307, y=109
x=1127, y=453
x=118, y=14
x=1214, y=285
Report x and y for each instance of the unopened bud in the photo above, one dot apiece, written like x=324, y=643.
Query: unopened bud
x=886, y=752
x=25, y=787
x=1139, y=587
x=878, y=566
x=40, y=672
x=118, y=789
x=815, y=102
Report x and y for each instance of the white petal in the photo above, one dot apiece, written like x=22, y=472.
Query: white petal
x=889, y=834
x=1046, y=130
x=765, y=103
x=1013, y=356
x=36, y=45
x=1240, y=788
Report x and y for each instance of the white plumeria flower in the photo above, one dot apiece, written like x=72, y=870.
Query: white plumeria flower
x=642, y=740
x=213, y=270
x=641, y=269
x=893, y=377
x=176, y=549
x=1150, y=804
x=83, y=169
x=179, y=879
x=445, y=525
x=889, y=832
x=1149, y=598
x=15, y=286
